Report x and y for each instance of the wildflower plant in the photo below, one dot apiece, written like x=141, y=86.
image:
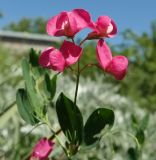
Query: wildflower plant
x=40, y=83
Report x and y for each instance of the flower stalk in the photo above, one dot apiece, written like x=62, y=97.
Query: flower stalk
x=77, y=82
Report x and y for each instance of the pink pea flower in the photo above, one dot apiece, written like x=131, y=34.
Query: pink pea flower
x=70, y=52
x=103, y=27
x=117, y=66
x=58, y=60
x=42, y=149
x=68, y=23
x=52, y=58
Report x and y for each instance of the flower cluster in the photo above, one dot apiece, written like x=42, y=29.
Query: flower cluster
x=69, y=24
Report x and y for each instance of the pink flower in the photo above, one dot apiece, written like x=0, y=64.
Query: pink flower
x=103, y=27
x=117, y=66
x=58, y=60
x=42, y=149
x=52, y=58
x=68, y=23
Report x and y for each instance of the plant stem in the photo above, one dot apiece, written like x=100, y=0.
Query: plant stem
x=83, y=41
x=69, y=158
x=77, y=81
x=89, y=65
x=73, y=40
x=8, y=108
x=56, y=137
x=56, y=133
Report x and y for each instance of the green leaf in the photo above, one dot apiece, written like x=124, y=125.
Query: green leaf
x=51, y=85
x=140, y=136
x=70, y=119
x=33, y=58
x=37, y=72
x=96, y=122
x=134, y=120
x=27, y=76
x=35, y=99
x=133, y=153
x=47, y=87
x=24, y=107
x=36, y=69
x=144, y=122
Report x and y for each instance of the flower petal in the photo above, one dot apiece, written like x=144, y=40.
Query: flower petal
x=52, y=58
x=44, y=59
x=114, y=30
x=42, y=149
x=82, y=18
x=62, y=19
x=51, y=27
x=68, y=23
x=103, y=54
x=103, y=24
x=70, y=52
x=57, y=61
x=71, y=28
x=118, y=67
x=104, y=27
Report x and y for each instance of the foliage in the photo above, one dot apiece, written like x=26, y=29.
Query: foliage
x=36, y=25
x=33, y=108
x=10, y=76
x=123, y=108
x=129, y=120
x=142, y=67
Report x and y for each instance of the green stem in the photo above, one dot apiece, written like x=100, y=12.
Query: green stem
x=73, y=40
x=58, y=140
x=89, y=65
x=129, y=134
x=69, y=158
x=78, y=73
x=77, y=82
x=8, y=108
x=56, y=133
x=83, y=41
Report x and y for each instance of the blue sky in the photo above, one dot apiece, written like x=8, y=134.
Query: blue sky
x=133, y=14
